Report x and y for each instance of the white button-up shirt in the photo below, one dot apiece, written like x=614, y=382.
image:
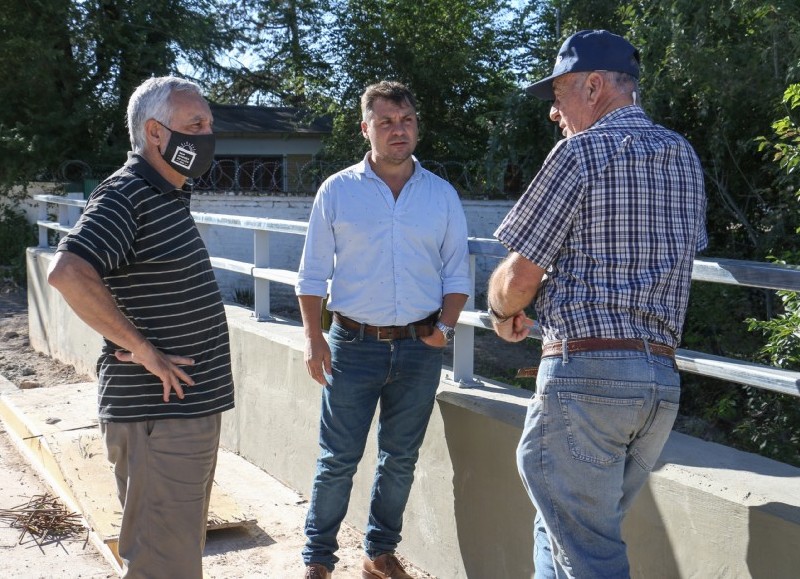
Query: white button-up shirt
x=390, y=262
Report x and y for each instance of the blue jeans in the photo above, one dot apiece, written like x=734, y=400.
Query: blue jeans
x=403, y=376
x=593, y=432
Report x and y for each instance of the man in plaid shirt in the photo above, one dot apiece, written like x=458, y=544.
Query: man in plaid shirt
x=602, y=243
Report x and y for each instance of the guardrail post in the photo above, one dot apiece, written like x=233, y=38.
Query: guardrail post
x=44, y=240
x=68, y=215
x=261, y=305
x=285, y=173
x=73, y=212
x=464, y=343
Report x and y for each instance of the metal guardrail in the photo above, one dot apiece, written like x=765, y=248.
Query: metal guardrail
x=726, y=271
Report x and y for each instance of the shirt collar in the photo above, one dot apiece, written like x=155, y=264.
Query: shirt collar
x=365, y=168
x=139, y=165
x=629, y=115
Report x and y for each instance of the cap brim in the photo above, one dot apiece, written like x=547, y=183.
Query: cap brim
x=542, y=89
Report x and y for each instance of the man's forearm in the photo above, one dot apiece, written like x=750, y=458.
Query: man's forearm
x=311, y=312
x=452, y=304
x=513, y=285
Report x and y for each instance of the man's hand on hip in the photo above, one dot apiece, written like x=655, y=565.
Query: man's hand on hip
x=162, y=365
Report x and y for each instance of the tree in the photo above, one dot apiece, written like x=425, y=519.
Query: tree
x=42, y=105
x=69, y=67
x=713, y=72
x=522, y=134
x=278, y=55
x=450, y=55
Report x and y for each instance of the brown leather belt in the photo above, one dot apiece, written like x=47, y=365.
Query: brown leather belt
x=596, y=344
x=420, y=329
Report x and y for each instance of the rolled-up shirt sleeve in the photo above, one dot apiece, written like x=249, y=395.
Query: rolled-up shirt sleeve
x=316, y=264
x=455, y=250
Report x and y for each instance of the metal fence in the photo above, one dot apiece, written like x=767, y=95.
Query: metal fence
x=725, y=271
x=279, y=177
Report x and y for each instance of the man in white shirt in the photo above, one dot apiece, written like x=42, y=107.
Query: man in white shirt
x=392, y=238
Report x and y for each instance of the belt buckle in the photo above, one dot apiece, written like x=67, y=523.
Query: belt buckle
x=378, y=333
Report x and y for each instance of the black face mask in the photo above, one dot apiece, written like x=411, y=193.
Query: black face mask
x=189, y=155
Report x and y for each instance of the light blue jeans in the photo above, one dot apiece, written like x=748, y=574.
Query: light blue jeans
x=401, y=375
x=593, y=432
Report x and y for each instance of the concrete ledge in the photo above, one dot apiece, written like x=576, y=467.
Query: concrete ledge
x=53, y=328
x=707, y=511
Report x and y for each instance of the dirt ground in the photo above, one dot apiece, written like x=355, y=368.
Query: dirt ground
x=20, y=363
x=20, y=555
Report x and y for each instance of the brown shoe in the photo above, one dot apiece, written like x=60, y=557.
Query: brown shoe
x=384, y=566
x=316, y=571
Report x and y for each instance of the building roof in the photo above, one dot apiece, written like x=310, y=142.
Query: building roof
x=251, y=121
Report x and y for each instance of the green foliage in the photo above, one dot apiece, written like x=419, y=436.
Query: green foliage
x=714, y=72
x=783, y=332
x=747, y=418
x=771, y=425
x=786, y=150
x=450, y=54
x=69, y=67
x=520, y=137
x=244, y=296
x=281, y=42
x=16, y=234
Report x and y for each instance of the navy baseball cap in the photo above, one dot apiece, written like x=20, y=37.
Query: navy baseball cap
x=586, y=51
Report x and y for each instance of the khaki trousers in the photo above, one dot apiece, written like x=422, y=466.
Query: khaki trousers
x=164, y=471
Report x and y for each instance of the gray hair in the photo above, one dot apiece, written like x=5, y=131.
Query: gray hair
x=151, y=100
x=621, y=81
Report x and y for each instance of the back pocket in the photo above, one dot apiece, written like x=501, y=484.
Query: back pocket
x=599, y=428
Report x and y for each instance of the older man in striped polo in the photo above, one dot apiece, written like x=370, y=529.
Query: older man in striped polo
x=135, y=269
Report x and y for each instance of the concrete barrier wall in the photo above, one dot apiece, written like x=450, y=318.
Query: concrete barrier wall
x=707, y=511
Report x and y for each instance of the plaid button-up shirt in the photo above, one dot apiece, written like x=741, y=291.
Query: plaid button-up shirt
x=615, y=216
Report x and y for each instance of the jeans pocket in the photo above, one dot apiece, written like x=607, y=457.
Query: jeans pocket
x=429, y=347
x=599, y=428
x=648, y=447
x=341, y=334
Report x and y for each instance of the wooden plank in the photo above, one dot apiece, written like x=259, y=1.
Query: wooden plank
x=59, y=428
x=81, y=455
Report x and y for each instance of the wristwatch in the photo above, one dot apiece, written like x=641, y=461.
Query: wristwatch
x=448, y=331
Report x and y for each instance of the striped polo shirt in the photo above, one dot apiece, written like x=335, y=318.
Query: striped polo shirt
x=139, y=235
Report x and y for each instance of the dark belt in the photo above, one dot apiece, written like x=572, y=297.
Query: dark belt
x=596, y=344
x=419, y=329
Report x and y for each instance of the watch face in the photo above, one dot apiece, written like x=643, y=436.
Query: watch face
x=448, y=332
